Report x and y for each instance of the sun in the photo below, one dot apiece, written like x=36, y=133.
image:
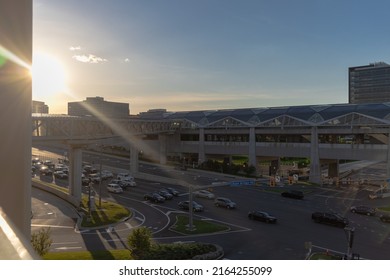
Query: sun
x=48, y=76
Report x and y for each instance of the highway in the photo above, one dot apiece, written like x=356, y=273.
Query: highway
x=246, y=239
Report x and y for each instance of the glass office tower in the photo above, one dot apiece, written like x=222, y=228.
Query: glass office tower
x=369, y=83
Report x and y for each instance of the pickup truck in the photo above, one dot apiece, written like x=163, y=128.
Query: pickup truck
x=332, y=219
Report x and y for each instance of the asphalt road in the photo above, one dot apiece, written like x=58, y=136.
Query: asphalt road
x=247, y=239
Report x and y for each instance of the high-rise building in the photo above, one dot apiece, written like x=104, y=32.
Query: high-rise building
x=97, y=106
x=39, y=107
x=369, y=83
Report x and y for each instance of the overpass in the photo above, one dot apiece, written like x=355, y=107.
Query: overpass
x=325, y=134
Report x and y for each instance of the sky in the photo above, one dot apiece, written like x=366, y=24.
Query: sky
x=186, y=55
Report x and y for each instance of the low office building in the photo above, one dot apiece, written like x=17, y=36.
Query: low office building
x=97, y=106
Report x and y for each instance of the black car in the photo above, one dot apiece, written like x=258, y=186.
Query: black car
x=385, y=218
x=196, y=207
x=332, y=219
x=293, y=194
x=261, y=216
x=155, y=197
x=364, y=210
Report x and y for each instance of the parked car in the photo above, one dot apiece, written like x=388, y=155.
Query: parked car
x=155, y=197
x=385, y=218
x=196, y=207
x=165, y=194
x=49, y=164
x=293, y=194
x=60, y=174
x=332, y=219
x=84, y=180
x=129, y=181
x=224, y=202
x=124, y=175
x=114, y=188
x=261, y=216
x=204, y=194
x=364, y=210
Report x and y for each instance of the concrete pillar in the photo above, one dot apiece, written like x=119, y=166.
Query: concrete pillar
x=15, y=113
x=333, y=169
x=315, y=170
x=134, y=161
x=252, y=147
x=75, y=171
x=163, y=148
x=201, y=154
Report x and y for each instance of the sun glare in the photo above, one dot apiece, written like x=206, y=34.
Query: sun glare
x=48, y=77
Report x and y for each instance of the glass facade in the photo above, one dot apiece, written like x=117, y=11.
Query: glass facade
x=370, y=83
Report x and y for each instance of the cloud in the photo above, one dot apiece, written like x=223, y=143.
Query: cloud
x=90, y=58
x=77, y=48
x=126, y=60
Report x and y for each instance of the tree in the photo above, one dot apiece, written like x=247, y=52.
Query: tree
x=41, y=241
x=140, y=242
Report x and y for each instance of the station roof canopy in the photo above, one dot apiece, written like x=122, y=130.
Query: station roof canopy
x=310, y=115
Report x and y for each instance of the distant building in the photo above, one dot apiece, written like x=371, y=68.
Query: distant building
x=39, y=107
x=154, y=114
x=369, y=83
x=95, y=106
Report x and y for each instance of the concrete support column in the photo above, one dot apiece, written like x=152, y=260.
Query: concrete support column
x=252, y=147
x=75, y=171
x=15, y=113
x=201, y=154
x=134, y=161
x=333, y=169
x=163, y=148
x=315, y=170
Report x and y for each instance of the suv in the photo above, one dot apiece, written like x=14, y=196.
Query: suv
x=224, y=202
x=293, y=194
x=332, y=219
x=365, y=210
x=155, y=197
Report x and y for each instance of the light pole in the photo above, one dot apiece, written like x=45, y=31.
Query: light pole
x=350, y=233
x=100, y=181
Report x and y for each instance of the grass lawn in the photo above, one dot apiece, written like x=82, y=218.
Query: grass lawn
x=200, y=226
x=324, y=256
x=87, y=255
x=109, y=213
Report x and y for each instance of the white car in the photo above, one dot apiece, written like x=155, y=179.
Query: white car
x=114, y=188
x=204, y=194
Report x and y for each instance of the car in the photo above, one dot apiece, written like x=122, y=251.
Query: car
x=196, y=207
x=114, y=188
x=172, y=191
x=107, y=174
x=45, y=171
x=332, y=219
x=204, y=194
x=364, y=210
x=155, y=197
x=84, y=180
x=261, y=216
x=49, y=164
x=165, y=194
x=129, y=181
x=95, y=178
x=60, y=174
x=124, y=175
x=385, y=218
x=224, y=202
x=293, y=194
x=122, y=183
